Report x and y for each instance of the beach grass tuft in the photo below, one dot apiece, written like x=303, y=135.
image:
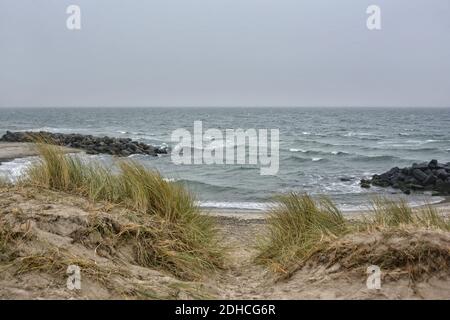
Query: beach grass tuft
x=297, y=227
x=171, y=235
x=393, y=236
x=389, y=213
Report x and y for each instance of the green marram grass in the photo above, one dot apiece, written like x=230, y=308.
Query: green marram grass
x=297, y=226
x=300, y=227
x=173, y=235
x=388, y=213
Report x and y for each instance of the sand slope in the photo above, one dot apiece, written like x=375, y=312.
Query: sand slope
x=50, y=230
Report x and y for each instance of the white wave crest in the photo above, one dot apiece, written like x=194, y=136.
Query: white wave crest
x=260, y=206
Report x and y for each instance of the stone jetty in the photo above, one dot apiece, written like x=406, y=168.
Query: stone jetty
x=427, y=176
x=92, y=145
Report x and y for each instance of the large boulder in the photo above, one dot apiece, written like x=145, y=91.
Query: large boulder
x=442, y=174
x=419, y=174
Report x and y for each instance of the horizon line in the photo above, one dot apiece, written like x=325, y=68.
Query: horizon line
x=240, y=106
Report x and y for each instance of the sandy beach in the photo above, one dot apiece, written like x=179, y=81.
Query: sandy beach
x=15, y=150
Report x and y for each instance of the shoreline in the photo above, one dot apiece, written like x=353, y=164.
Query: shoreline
x=253, y=215
x=10, y=151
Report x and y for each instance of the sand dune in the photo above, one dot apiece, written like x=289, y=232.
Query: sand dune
x=51, y=230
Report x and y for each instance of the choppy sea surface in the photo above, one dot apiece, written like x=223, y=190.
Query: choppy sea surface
x=322, y=150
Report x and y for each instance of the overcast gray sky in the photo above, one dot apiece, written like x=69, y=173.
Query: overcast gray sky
x=224, y=53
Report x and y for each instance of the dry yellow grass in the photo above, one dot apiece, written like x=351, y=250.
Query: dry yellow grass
x=303, y=230
x=388, y=213
x=172, y=235
x=297, y=227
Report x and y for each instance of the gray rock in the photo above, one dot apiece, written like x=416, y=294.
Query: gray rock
x=365, y=183
x=442, y=173
x=419, y=174
x=433, y=164
x=422, y=166
x=430, y=180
